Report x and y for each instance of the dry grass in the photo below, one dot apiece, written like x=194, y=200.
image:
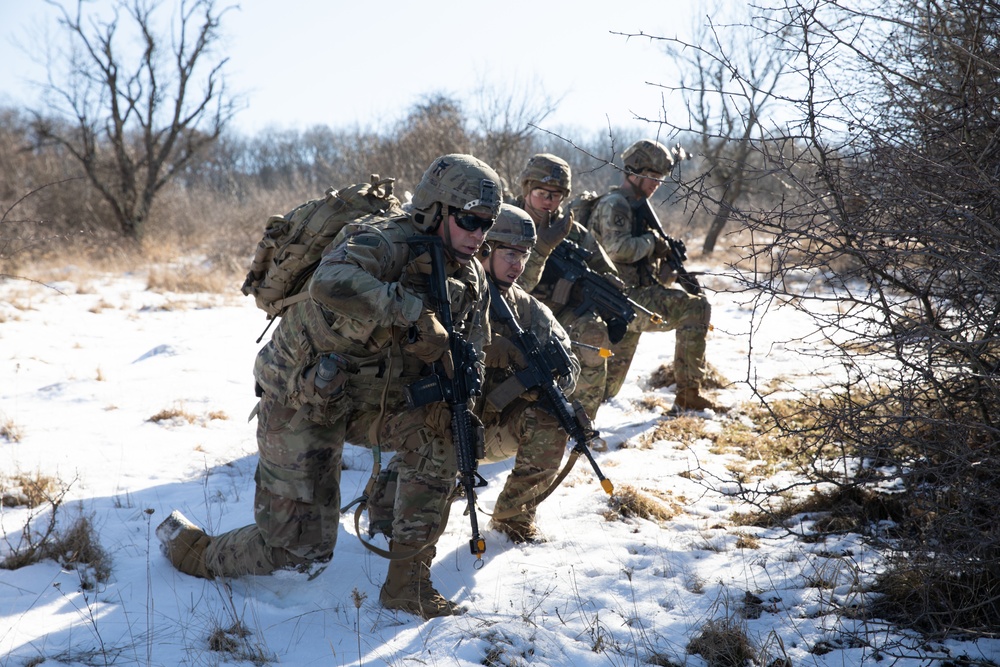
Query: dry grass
x=178, y=415
x=173, y=415
x=724, y=643
x=23, y=490
x=9, y=430
x=193, y=279
x=628, y=502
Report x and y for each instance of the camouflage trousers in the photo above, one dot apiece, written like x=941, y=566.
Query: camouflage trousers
x=530, y=434
x=687, y=314
x=524, y=431
x=590, y=329
x=297, y=498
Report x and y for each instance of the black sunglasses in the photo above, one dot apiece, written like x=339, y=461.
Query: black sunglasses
x=470, y=222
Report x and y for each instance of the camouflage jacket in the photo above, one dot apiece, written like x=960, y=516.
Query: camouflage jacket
x=630, y=248
x=531, y=279
x=359, y=310
x=534, y=316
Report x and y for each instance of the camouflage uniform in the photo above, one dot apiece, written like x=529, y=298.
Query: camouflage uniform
x=516, y=425
x=359, y=311
x=587, y=327
x=632, y=251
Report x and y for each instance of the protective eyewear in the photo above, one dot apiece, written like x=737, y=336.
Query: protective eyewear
x=471, y=223
x=547, y=195
x=513, y=256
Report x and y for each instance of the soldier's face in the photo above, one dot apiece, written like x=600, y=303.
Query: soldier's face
x=647, y=182
x=544, y=199
x=464, y=242
x=506, y=263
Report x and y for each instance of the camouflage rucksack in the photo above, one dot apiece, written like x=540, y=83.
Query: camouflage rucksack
x=582, y=205
x=293, y=243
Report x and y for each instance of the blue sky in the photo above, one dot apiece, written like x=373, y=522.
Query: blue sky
x=306, y=62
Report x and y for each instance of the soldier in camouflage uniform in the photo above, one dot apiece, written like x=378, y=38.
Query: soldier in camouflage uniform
x=546, y=182
x=515, y=424
x=342, y=358
x=638, y=254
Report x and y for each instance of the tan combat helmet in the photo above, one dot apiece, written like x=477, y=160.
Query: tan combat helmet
x=647, y=155
x=545, y=169
x=455, y=181
x=514, y=227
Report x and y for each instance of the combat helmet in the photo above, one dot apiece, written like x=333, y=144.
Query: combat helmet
x=514, y=227
x=548, y=170
x=647, y=155
x=455, y=181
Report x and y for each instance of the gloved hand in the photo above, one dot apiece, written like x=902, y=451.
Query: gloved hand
x=427, y=338
x=417, y=274
x=661, y=248
x=553, y=234
x=502, y=353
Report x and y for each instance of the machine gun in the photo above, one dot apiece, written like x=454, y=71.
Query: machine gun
x=463, y=383
x=567, y=266
x=646, y=217
x=545, y=364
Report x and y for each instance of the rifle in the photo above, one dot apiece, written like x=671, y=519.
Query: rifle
x=568, y=262
x=545, y=364
x=464, y=383
x=675, y=259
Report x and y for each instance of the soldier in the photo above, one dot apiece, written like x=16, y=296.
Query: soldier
x=546, y=183
x=342, y=358
x=515, y=423
x=638, y=252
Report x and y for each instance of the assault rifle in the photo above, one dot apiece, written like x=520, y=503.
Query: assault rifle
x=545, y=364
x=675, y=259
x=456, y=389
x=568, y=262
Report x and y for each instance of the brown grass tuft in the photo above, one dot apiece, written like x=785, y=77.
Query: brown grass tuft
x=723, y=643
x=628, y=501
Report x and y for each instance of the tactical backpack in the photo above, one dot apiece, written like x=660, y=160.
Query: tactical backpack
x=293, y=243
x=582, y=205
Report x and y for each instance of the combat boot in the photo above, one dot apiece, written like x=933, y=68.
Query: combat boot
x=689, y=399
x=408, y=585
x=184, y=544
x=518, y=531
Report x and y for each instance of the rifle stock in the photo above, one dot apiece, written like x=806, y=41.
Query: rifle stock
x=678, y=251
x=467, y=433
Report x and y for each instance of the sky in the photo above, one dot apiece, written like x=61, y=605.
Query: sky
x=305, y=62
x=88, y=359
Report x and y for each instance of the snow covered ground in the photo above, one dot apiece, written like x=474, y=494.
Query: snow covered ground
x=85, y=366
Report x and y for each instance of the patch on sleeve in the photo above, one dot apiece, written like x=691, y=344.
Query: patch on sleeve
x=621, y=221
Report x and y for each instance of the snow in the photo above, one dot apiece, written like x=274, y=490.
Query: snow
x=88, y=360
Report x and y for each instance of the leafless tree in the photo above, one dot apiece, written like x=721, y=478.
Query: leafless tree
x=134, y=120
x=886, y=163
x=730, y=78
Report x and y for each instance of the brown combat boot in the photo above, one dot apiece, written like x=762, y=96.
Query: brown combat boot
x=184, y=544
x=408, y=585
x=689, y=399
x=518, y=531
